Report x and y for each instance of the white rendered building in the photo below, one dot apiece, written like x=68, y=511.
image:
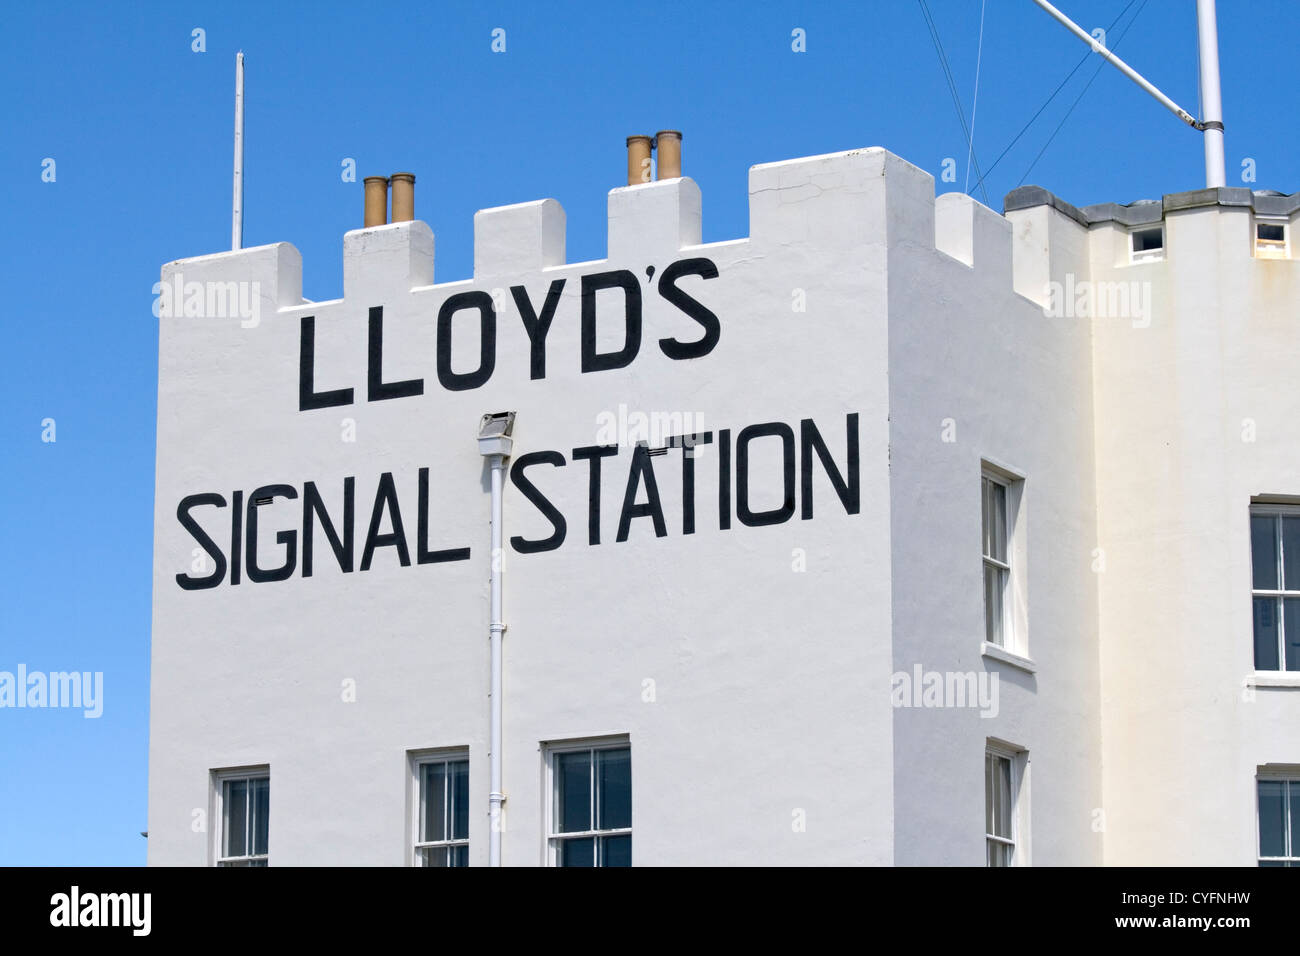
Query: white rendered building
x=898, y=532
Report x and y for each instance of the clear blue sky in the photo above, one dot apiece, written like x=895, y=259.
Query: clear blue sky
x=139, y=127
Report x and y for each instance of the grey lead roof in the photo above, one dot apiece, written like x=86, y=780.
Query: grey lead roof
x=1263, y=202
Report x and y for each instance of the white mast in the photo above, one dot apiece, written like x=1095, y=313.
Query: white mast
x=1211, y=101
x=237, y=213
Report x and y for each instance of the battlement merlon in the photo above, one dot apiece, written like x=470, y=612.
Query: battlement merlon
x=524, y=237
x=1049, y=241
x=841, y=199
x=275, y=271
x=383, y=259
x=975, y=236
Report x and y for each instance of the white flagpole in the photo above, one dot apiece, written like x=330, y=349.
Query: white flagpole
x=237, y=215
x=1211, y=99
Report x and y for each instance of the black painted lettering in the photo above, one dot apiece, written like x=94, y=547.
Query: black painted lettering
x=687, y=444
x=313, y=508
x=206, y=543
x=724, y=479
x=691, y=306
x=539, y=501
x=594, y=453
x=422, y=553
x=377, y=389
x=288, y=538
x=641, y=473
x=593, y=361
x=782, y=512
x=385, y=500
x=537, y=326
x=308, y=397
x=459, y=382
x=848, y=489
x=236, y=535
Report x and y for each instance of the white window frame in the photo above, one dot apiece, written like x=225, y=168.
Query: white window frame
x=553, y=838
x=1018, y=758
x=1291, y=777
x=1014, y=648
x=219, y=779
x=417, y=760
x=1146, y=255
x=1276, y=511
x=1271, y=248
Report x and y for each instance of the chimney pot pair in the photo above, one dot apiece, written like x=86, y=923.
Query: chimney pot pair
x=669, y=144
x=376, y=210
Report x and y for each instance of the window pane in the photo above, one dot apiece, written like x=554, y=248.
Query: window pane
x=1291, y=632
x=433, y=788
x=614, y=783
x=993, y=578
x=1293, y=802
x=616, y=851
x=993, y=517
x=578, y=852
x=458, y=855
x=573, y=775
x=998, y=501
x=1003, y=788
x=459, y=799
x=986, y=517
x=998, y=854
x=1266, y=654
x=1291, y=554
x=1263, y=552
x=1001, y=797
x=434, y=855
x=1272, y=818
x=234, y=803
x=988, y=793
x=261, y=813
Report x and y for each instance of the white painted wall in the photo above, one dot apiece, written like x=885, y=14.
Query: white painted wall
x=763, y=676
x=771, y=685
x=973, y=360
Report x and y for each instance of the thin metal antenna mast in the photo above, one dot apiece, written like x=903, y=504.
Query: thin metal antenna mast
x=237, y=213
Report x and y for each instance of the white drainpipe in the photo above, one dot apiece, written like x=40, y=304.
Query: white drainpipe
x=495, y=444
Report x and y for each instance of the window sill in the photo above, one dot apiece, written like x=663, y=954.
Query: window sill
x=1005, y=656
x=1274, y=679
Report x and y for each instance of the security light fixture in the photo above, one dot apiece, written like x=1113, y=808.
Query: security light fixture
x=494, y=433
